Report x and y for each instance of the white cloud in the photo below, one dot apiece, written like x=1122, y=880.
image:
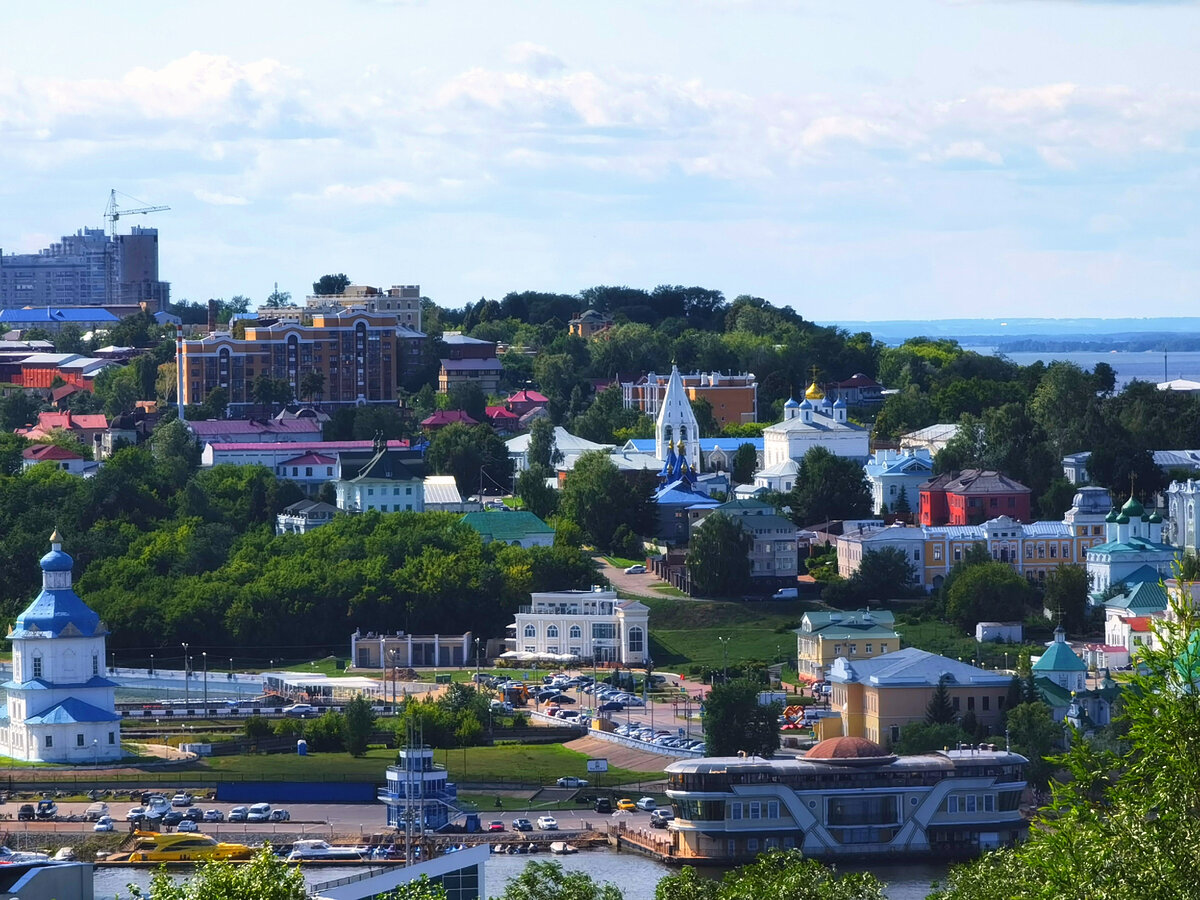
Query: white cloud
x=218, y=199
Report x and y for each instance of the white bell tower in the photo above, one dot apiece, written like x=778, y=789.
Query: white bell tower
x=676, y=423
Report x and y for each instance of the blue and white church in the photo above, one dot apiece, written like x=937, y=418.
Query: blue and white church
x=61, y=705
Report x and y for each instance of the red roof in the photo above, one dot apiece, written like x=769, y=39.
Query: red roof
x=48, y=451
x=205, y=427
x=65, y=390
x=448, y=417
x=527, y=396
x=859, y=380
x=71, y=420
x=1137, y=623
x=302, y=446
x=499, y=412
x=310, y=459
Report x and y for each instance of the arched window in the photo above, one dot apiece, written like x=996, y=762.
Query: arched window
x=667, y=433
x=530, y=631
x=552, y=631
x=683, y=432
x=637, y=640
x=576, y=633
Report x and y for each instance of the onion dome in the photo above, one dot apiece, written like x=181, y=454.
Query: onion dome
x=1133, y=508
x=1112, y=516
x=814, y=392
x=1155, y=519
x=840, y=404
x=1122, y=519
x=791, y=404
x=807, y=404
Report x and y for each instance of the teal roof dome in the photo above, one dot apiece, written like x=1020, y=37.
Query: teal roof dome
x=1155, y=519
x=1122, y=519
x=1112, y=515
x=1133, y=508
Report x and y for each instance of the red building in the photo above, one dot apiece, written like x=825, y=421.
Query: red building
x=524, y=400
x=972, y=497
x=444, y=417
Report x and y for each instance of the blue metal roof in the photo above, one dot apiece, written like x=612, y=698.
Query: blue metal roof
x=40, y=684
x=55, y=610
x=72, y=711
x=58, y=314
x=707, y=445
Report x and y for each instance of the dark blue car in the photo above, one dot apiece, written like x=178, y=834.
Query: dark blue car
x=611, y=706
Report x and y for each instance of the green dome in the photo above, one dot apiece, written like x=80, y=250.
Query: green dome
x=1133, y=509
x=1122, y=519
x=1155, y=519
x=1112, y=515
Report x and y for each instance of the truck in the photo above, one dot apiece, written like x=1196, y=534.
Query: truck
x=766, y=698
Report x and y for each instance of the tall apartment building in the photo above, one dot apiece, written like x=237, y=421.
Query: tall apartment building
x=734, y=398
x=87, y=268
x=400, y=300
x=356, y=352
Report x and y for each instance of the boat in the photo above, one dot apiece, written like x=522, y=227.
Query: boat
x=562, y=848
x=323, y=851
x=151, y=846
x=65, y=854
x=9, y=857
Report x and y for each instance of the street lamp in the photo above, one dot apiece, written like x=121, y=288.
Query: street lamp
x=95, y=753
x=151, y=663
x=476, y=661
x=187, y=684
x=204, y=654
x=725, y=658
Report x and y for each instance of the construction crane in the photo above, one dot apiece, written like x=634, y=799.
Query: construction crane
x=113, y=212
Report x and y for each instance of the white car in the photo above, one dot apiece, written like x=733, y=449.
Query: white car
x=104, y=823
x=636, y=570
x=182, y=799
x=135, y=812
x=570, y=781
x=187, y=825
x=300, y=709
x=547, y=823
x=647, y=804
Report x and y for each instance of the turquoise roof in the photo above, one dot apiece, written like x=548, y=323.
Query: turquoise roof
x=70, y=712
x=1146, y=596
x=1060, y=658
x=1133, y=508
x=510, y=526
x=1053, y=694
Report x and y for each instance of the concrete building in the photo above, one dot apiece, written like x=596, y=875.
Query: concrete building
x=971, y=497
x=846, y=797
x=356, y=353
x=593, y=624
x=60, y=457
x=824, y=636
x=382, y=480
x=589, y=323
x=570, y=446
x=1183, y=515
x=469, y=361
x=254, y=431
x=60, y=705
x=400, y=300
x=303, y=516
x=933, y=438
x=279, y=456
x=897, y=475
x=88, y=268
x=814, y=422
x=877, y=697
x=410, y=651
x=442, y=495
x=773, y=550
x=858, y=389
x=87, y=428
x=734, y=398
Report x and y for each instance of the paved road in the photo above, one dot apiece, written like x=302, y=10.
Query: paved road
x=640, y=585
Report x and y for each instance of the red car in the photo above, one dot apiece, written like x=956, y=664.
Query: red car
x=495, y=825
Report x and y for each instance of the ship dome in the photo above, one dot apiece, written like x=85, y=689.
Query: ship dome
x=849, y=751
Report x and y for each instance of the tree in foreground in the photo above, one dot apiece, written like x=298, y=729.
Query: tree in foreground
x=1066, y=593
x=549, y=881
x=988, y=592
x=734, y=720
x=829, y=487
x=718, y=558
x=358, y=720
x=1124, y=824
x=940, y=709
x=778, y=875
x=266, y=877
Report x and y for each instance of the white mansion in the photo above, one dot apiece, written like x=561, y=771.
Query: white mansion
x=60, y=704
x=593, y=624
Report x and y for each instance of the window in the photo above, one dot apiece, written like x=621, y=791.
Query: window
x=853, y=649
x=37, y=666
x=636, y=640
x=1029, y=551
x=952, y=804
x=987, y=702
x=1054, y=551
x=883, y=646
x=971, y=803
x=735, y=810
x=868, y=649
x=751, y=845
x=955, y=702
x=530, y=631
x=772, y=809
x=395, y=492
x=755, y=809
x=552, y=631
x=603, y=631
x=989, y=803
x=576, y=633
x=957, y=553
x=937, y=552
x=49, y=740
x=79, y=740
x=895, y=733
x=112, y=737
x=837, y=649
x=95, y=663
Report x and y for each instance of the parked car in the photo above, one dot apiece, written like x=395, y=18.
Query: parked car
x=213, y=815
x=182, y=799
x=96, y=811
x=174, y=817
x=611, y=706
x=626, y=804
x=157, y=804
x=135, y=812
x=603, y=805
x=104, y=823
x=280, y=815
x=495, y=825
x=238, y=814
x=522, y=824
x=647, y=804
x=570, y=781
x=786, y=594
x=193, y=814
x=636, y=570
x=547, y=823
x=47, y=809
x=188, y=825
x=259, y=812
x=26, y=813
x=660, y=817
x=300, y=710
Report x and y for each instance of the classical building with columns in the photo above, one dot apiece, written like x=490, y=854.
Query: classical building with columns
x=60, y=705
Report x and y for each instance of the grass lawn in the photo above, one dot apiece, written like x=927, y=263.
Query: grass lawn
x=540, y=764
x=685, y=631
x=947, y=640
x=620, y=562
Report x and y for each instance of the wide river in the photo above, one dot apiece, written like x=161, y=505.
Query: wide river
x=1142, y=366
x=635, y=875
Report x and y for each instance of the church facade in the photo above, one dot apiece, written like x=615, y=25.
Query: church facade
x=60, y=705
x=814, y=422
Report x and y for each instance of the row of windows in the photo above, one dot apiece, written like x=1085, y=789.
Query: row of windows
x=753, y=809
x=852, y=649
x=600, y=631
x=969, y=803
x=37, y=664
x=79, y=741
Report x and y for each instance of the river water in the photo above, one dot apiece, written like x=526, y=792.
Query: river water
x=1142, y=366
x=635, y=875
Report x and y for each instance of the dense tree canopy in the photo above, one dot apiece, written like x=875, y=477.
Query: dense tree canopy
x=829, y=487
x=991, y=592
x=718, y=559
x=608, y=506
x=735, y=721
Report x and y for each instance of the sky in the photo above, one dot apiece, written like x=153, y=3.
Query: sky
x=855, y=159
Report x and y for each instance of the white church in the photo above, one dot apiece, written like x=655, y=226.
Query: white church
x=60, y=703
x=813, y=422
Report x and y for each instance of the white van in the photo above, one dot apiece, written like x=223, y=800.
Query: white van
x=259, y=812
x=786, y=594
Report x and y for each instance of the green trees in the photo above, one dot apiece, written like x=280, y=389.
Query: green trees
x=718, y=559
x=940, y=709
x=1035, y=736
x=312, y=385
x=357, y=722
x=605, y=504
x=745, y=463
x=734, y=720
x=1065, y=595
x=331, y=284
x=266, y=877
x=776, y=875
x=539, y=498
x=926, y=737
x=989, y=591
x=550, y=881
x=474, y=455
x=828, y=487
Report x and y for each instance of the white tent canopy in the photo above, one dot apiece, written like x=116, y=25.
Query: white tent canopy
x=522, y=656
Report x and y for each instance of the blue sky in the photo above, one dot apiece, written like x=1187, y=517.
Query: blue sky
x=858, y=159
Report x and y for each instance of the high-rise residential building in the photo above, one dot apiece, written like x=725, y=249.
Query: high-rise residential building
x=400, y=300
x=355, y=352
x=88, y=268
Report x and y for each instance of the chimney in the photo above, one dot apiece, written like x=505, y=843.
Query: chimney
x=212, y=316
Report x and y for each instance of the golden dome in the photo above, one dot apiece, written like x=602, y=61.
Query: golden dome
x=814, y=392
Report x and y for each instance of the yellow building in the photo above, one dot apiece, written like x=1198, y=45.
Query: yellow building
x=824, y=636
x=877, y=697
